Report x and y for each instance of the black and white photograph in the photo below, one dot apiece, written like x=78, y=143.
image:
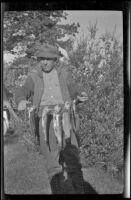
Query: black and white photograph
x=63, y=102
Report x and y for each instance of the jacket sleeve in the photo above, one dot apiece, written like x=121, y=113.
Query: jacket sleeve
x=24, y=92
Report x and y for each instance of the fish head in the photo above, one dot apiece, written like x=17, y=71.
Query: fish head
x=45, y=110
x=57, y=109
x=67, y=105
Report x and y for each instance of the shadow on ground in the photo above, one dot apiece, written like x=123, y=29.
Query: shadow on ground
x=71, y=180
x=61, y=186
x=89, y=189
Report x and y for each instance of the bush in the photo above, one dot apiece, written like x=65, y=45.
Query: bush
x=97, y=66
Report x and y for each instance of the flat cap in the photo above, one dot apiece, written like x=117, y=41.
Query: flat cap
x=47, y=51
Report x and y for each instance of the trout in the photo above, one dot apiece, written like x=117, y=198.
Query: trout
x=44, y=121
x=57, y=124
x=74, y=116
x=66, y=123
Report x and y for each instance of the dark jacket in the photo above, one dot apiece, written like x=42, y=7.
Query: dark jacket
x=34, y=87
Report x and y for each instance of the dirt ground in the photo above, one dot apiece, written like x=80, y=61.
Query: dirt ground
x=25, y=172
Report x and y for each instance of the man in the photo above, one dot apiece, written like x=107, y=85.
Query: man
x=50, y=85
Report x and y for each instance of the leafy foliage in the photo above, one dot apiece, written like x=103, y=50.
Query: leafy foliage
x=29, y=27
x=97, y=66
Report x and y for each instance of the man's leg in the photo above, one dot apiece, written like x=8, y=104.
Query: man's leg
x=50, y=148
x=51, y=153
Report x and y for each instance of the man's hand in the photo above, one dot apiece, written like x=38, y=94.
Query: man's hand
x=22, y=105
x=83, y=97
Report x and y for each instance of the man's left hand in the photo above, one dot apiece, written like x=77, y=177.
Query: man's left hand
x=83, y=97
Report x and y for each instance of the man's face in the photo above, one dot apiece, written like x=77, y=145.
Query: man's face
x=46, y=64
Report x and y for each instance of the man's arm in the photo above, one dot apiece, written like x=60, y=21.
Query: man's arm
x=24, y=92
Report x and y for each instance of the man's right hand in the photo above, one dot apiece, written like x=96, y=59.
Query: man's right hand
x=22, y=105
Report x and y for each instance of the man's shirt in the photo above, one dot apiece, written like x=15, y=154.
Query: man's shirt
x=34, y=87
x=52, y=92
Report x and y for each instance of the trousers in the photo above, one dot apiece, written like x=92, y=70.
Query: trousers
x=55, y=159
